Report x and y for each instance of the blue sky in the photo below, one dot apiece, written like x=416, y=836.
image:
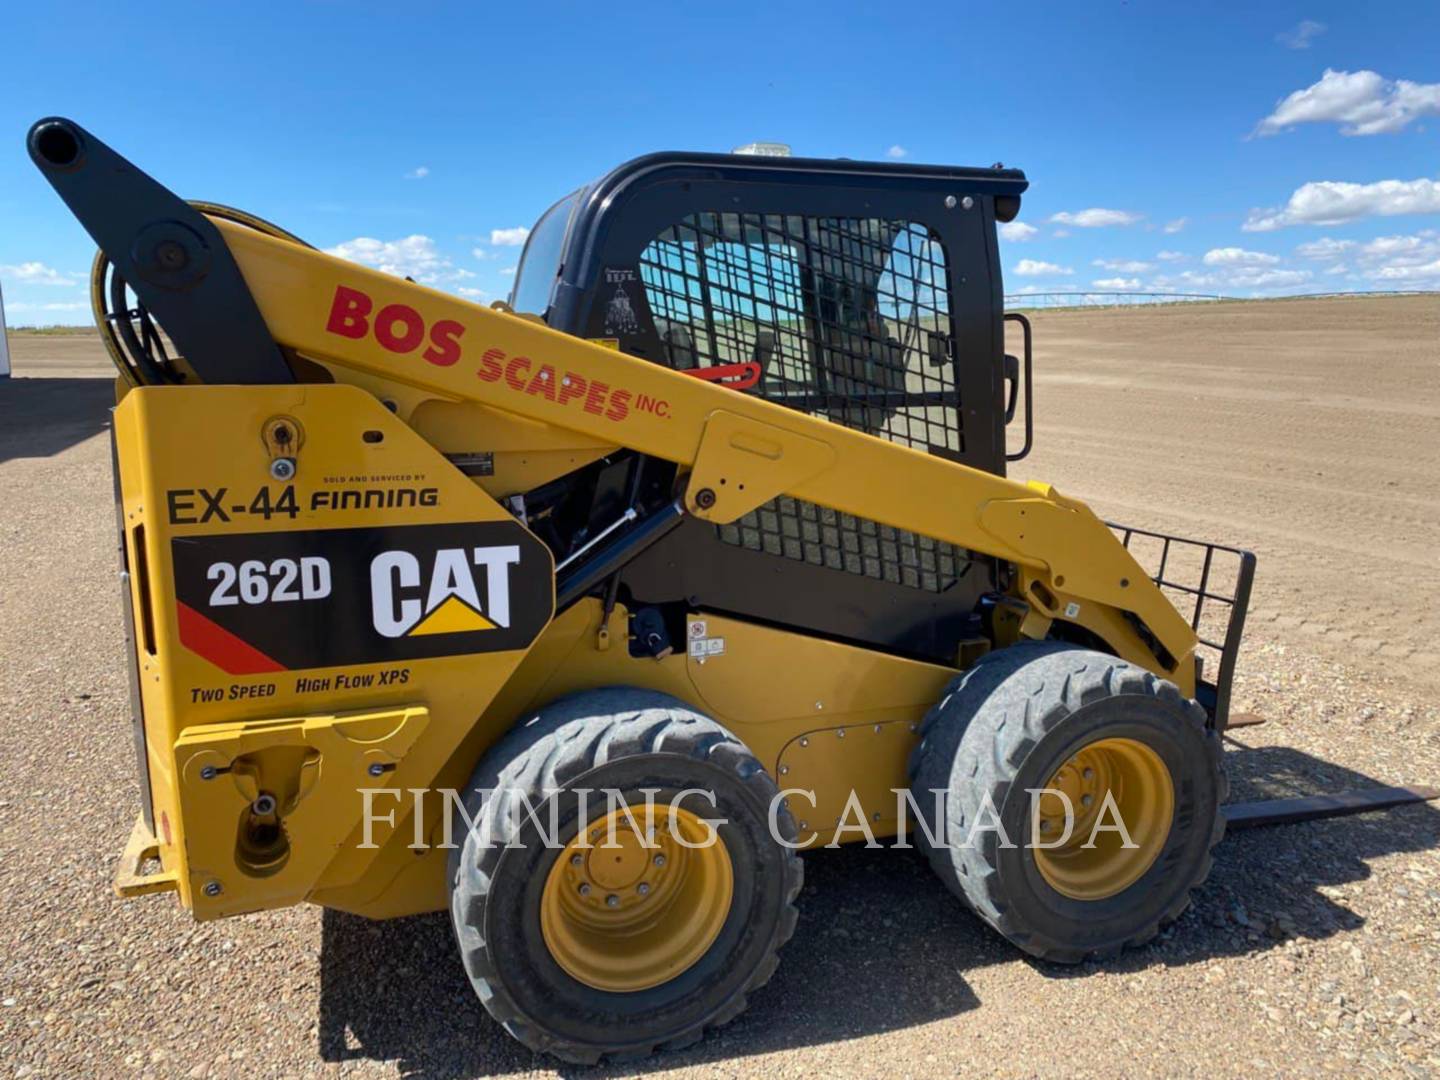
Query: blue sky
x=1235, y=149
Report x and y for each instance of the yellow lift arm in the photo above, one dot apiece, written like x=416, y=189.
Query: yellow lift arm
x=410, y=343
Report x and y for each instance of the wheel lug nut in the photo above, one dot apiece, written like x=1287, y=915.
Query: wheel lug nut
x=612, y=900
x=1086, y=800
x=643, y=888
x=577, y=860
x=1089, y=773
x=584, y=889
x=659, y=860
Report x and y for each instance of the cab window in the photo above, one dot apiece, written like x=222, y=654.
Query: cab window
x=540, y=264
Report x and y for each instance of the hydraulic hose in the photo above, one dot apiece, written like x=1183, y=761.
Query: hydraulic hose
x=135, y=344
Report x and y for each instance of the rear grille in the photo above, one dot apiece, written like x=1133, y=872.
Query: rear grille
x=822, y=537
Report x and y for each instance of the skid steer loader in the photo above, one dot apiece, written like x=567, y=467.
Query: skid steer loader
x=699, y=552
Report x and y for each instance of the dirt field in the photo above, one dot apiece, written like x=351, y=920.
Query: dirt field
x=1308, y=431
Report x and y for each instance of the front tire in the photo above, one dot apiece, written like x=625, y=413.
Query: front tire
x=1049, y=715
x=559, y=939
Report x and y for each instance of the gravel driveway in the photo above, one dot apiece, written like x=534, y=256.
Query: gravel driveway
x=1312, y=948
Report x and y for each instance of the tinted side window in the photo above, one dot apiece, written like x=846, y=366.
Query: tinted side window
x=535, y=277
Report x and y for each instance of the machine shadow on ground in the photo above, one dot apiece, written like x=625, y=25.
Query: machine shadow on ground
x=878, y=919
x=1266, y=884
x=42, y=417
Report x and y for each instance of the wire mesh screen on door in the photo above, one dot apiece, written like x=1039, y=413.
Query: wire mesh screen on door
x=848, y=319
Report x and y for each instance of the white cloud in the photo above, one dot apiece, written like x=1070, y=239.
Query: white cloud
x=1123, y=266
x=1170, y=256
x=1301, y=34
x=1175, y=226
x=1095, y=218
x=1060, y=234
x=1401, y=261
x=1035, y=268
x=1361, y=102
x=1416, y=249
x=1325, y=248
x=412, y=256
x=471, y=293
x=1426, y=273
x=1331, y=202
x=1251, y=278
x=1386, y=247
x=1017, y=231
x=1234, y=256
x=897, y=152
x=418, y=173
x=508, y=271
x=1116, y=283
x=37, y=273
x=1232, y=278
x=509, y=237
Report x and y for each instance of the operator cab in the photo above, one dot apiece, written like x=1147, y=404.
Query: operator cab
x=865, y=293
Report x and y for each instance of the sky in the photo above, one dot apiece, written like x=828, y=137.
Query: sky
x=1232, y=149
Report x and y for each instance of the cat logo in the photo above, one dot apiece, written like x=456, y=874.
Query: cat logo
x=250, y=603
x=447, y=601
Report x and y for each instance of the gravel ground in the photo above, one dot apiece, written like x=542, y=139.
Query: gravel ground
x=1312, y=948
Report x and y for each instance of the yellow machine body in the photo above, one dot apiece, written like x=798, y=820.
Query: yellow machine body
x=354, y=741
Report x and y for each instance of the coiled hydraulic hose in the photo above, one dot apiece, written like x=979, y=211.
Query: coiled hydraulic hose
x=135, y=344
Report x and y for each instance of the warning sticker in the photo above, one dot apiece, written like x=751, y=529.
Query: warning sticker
x=625, y=311
x=703, y=647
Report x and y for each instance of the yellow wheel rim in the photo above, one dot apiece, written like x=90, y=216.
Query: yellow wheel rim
x=1144, y=797
x=629, y=906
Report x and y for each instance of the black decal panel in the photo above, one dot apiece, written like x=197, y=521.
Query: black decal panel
x=259, y=602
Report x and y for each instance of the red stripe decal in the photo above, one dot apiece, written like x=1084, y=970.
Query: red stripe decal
x=229, y=653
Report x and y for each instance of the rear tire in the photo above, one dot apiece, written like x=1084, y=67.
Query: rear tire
x=628, y=740
x=1015, y=721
